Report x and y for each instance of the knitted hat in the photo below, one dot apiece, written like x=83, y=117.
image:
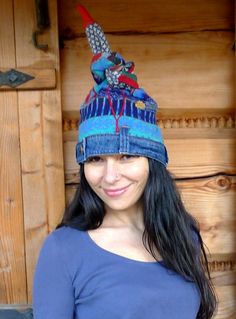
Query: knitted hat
x=117, y=117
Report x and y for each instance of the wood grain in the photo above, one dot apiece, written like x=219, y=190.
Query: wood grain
x=212, y=201
x=43, y=79
x=40, y=135
x=149, y=16
x=33, y=177
x=180, y=71
x=201, y=157
x=12, y=252
x=227, y=302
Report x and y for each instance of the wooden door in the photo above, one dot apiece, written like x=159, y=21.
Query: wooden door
x=32, y=194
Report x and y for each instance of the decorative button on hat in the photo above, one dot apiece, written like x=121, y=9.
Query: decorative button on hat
x=117, y=116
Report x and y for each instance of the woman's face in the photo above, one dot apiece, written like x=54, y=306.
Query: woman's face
x=119, y=180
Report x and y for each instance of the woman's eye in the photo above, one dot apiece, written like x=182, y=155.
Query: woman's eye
x=127, y=156
x=99, y=159
x=94, y=159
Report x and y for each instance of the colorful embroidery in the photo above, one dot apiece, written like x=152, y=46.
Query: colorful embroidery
x=140, y=105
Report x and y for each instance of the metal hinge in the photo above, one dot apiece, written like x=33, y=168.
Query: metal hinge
x=14, y=78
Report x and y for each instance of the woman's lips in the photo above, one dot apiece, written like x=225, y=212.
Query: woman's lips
x=116, y=192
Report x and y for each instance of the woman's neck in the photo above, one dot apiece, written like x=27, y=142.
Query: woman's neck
x=131, y=218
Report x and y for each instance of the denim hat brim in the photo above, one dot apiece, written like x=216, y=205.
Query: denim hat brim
x=120, y=143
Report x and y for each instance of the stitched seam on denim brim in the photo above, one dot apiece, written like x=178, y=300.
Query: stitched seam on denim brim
x=124, y=140
x=100, y=152
x=157, y=146
x=144, y=140
x=150, y=152
x=134, y=152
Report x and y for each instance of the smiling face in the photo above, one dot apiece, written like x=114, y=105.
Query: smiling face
x=118, y=180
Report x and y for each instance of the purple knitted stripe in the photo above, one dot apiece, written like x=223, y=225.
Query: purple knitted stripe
x=100, y=107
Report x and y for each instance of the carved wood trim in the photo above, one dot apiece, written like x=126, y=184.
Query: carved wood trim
x=222, y=122
x=228, y=265
x=198, y=122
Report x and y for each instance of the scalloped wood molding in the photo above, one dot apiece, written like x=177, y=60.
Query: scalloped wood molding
x=221, y=122
x=198, y=122
x=228, y=265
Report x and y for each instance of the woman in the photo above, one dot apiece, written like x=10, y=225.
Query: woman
x=126, y=247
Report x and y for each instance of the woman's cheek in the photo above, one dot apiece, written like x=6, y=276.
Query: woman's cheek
x=94, y=175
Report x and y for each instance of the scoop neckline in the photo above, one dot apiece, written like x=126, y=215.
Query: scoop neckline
x=108, y=252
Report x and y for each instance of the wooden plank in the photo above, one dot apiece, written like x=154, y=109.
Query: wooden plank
x=43, y=79
x=53, y=157
x=7, y=49
x=32, y=57
x=212, y=201
x=180, y=71
x=12, y=253
x=53, y=139
x=33, y=177
x=227, y=302
x=188, y=158
x=40, y=135
x=224, y=278
x=201, y=157
x=151, y=16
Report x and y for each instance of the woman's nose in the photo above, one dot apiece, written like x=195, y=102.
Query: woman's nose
x=111, y=171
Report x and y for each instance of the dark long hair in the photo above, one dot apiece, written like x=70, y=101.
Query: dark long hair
x=169, y=229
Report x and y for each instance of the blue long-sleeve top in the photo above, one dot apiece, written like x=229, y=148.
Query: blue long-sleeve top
x=77, y=279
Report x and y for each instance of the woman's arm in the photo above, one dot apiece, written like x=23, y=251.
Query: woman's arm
x=53, y=296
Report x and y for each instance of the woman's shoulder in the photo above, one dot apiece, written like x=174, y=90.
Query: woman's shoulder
x=66, y=233
x=63, y=241
x=60, y=246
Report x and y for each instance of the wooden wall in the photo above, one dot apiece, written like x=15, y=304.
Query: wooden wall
x=185, y=59
x=32, y=189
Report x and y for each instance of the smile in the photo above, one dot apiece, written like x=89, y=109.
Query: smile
x=116, y=192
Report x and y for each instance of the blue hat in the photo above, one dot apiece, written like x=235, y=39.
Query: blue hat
x=117, y=117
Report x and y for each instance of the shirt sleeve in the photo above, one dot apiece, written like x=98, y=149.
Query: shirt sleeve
x=53, y=293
